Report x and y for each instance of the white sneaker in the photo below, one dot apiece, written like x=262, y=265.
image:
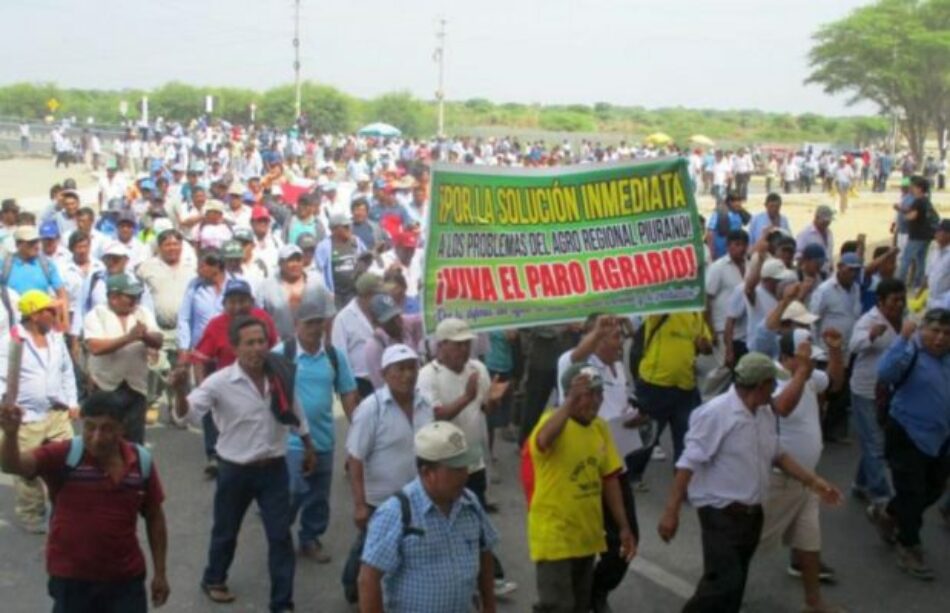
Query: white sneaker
x=659, y=454
x=504, y=587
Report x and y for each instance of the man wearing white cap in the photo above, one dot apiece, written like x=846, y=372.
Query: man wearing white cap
x=379, y=445
x=789, y=313
x=93, y=293
x=212, y=231
x=456, y=560
x=762, y=286
x=336, y=257
x=460, y=391
x=280, y=294
x=791, y=509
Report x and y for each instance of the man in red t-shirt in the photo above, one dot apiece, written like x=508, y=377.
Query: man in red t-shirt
x=214, y=351
x=93, y=556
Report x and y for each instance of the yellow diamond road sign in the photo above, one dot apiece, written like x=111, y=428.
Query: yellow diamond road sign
x=52, y=104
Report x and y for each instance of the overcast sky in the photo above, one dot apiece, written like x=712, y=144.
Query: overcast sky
x=723, y=54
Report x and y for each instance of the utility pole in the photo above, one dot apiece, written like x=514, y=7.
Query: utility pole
x=297, y=58
x=439, y=56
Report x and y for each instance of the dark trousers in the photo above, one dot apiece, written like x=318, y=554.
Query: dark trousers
x=538, y=388
x=478, y=483
x=564, y=585
x=729, y=542
x=364, y=387
x=834, y=424
x=76, y=596
x=210, y=432
x=133, y=422
x=237, y=486
x=351, y=568
x=611, y=567
x=919, y=481
x=668, y=406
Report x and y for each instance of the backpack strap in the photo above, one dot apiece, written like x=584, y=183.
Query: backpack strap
x=334, y=361
x=4, y=291
x=76, y=448
x=290, y=349
x=406, y=512
x=145, y=462
x=481, y=528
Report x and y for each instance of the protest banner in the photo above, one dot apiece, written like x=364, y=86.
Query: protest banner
x=521, y=247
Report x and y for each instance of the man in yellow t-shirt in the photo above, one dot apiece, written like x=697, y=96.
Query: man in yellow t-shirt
x=570, y=467
x=666, y=389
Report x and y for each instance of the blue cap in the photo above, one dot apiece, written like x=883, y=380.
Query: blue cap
x=851, y=260
x=814, y=251
x=49, y=229
x=147, y=184
x=156, y=165
x=379, y=183
x=237, y=286
x=247, y=196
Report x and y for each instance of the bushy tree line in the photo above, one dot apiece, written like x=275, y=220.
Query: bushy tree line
x=331, y=110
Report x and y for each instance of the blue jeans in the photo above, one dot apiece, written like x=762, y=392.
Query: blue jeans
x=310, y=495
x=872, y=469
x=915, y=251
x=237, y=486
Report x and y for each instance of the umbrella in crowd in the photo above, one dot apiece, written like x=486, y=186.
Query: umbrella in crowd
x=702, y=140
x=380, y=130
x=658, y=138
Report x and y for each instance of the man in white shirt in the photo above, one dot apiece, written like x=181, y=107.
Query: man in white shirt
x=726, y=467
x=937, y=281
x=252, y=404
x=791, y=510
x=118, y=335
x=379, y=446
x=819, y=232
x=722, y=278
x=266, y=244
x=45, y=390
x=353, y=327
x=722, y=175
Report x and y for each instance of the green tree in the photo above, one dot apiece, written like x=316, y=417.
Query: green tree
x=896, y=54
x=328, y=109
x=402, y=110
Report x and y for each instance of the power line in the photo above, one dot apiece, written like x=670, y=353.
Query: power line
x=297, y=59
x=439, y=56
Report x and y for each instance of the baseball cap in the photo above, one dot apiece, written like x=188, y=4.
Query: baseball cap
x=259, y=212
x=453, y=329
x=362, y=177
x=316, y=305
x=824, y=211
x=774, y=268
x=755, y=368
x=398, y=353
x=306, y=241
x=33, y=301
x=237, y=189
x=126, y=217
x=26, y=234
x=116, y=249
x=814, y=252
x=444, y=443
x=797, y=312
x=124, y=284
x=581, y=368
x=147, y=184
x=237, y=286
x=243, y=235
x=288, y=251
x=232, y=250
x=247, y=196
x=851, y=260
x=368, y=284
x=737, y=235
x=329, y=186
x=214, y=205
x=9, y=205
x=384, y=308
x=69, y=184
x=340, y=219
x=49, y=229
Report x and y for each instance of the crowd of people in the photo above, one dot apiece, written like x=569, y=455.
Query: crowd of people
x=245, y=281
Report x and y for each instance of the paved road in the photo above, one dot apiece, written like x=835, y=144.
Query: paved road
x=663, y=575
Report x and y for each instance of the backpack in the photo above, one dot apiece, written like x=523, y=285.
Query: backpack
x=97, y=276
x=932, y=216
x=406, y=512
x=77, y=447
x=290, y=354
x=640, y=344
x=5, y=277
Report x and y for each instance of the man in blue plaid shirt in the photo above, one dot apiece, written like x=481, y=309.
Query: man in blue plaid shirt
x=428, y=548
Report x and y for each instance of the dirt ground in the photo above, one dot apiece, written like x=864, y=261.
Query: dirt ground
x=28, y=180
